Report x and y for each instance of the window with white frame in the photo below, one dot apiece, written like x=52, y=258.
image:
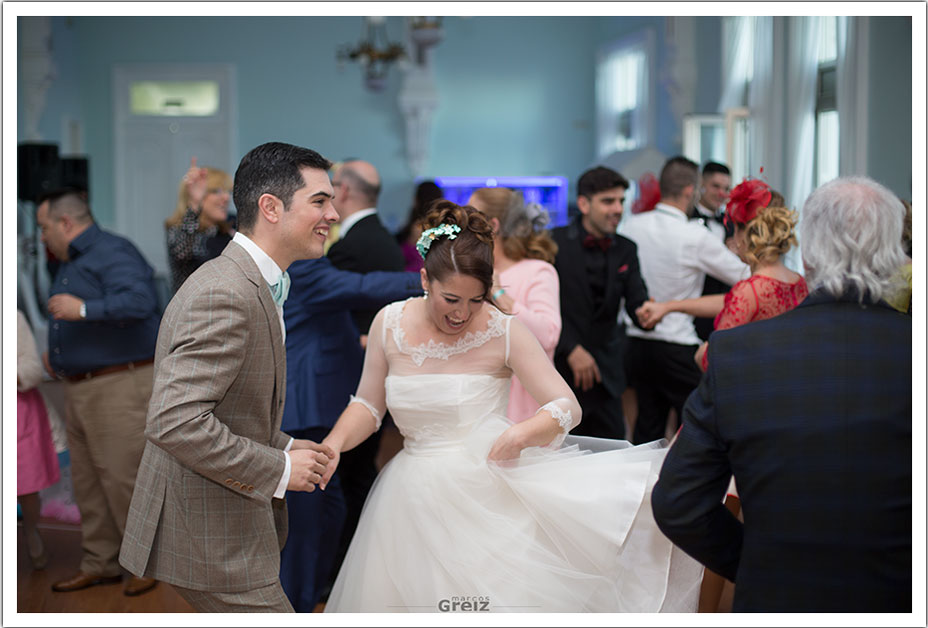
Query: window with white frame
x=826, y=103
x=622, y=94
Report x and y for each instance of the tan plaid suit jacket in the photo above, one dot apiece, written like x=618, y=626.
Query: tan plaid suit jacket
x=203, y=515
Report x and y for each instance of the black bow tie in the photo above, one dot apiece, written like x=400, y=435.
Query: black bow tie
x=719, y=218
x=591, y=243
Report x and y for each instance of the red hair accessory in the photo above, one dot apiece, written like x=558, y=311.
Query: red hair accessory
x=748, y=196
x=649, y=193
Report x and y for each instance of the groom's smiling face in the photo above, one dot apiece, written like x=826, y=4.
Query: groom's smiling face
x=310, y=213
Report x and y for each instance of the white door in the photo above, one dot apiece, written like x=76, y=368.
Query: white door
x=154, y=145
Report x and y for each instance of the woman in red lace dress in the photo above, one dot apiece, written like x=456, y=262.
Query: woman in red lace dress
x=764, y=233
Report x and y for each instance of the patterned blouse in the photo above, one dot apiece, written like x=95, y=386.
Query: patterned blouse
x=188, y=247
x=755, y=299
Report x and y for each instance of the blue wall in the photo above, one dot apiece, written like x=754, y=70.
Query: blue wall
x=516, y=94
x=889, y=133
x=510, y=105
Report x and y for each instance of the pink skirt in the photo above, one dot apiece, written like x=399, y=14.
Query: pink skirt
x=37, y=462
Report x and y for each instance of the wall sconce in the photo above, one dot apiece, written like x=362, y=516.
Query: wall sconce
x=374, y=53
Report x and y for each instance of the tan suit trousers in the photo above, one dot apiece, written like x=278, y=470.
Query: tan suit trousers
x=269, y=599
x=106, y=437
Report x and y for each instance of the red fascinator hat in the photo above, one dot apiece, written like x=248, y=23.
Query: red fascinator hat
x=649, y=193
x=748, y=196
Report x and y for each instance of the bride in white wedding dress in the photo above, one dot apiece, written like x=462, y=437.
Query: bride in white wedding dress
x=477, y=513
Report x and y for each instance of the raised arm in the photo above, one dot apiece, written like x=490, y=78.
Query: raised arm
x=316, y=285
x=559, y=411
x=362, y=416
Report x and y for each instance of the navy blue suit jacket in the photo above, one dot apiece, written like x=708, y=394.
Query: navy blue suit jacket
x=324, y=357
x=811, y=411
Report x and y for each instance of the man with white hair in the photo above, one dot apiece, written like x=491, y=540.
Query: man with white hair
x=811, y=411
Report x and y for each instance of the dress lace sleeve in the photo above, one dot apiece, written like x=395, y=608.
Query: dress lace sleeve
x=371, y=391
x=740, y=306
x=542, y=381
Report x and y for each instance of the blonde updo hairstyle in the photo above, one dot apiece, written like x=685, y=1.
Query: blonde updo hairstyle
x=470, y=253
x=769, y=235
x=517, y=233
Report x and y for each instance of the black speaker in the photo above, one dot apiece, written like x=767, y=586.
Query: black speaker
x=75, y=173
x=39, y=170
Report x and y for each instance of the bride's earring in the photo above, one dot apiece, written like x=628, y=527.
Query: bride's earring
x=426, y=295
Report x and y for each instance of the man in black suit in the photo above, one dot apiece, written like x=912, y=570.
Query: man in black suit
x=597, y=269
x=364, y=246
x=811, y=411
x=714, y=189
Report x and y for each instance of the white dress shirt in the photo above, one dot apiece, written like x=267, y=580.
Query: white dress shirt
x=351, y=220
x=271, y=273
x=675, y=255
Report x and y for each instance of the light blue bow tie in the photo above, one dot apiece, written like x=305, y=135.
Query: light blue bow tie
x=281, y=289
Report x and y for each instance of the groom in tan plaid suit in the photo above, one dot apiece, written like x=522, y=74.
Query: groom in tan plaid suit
x=207, y=514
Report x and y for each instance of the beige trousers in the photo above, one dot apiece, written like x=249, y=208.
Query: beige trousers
x=106, y=437
x=269, y=599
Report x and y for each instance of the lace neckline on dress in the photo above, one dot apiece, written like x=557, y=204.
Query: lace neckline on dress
x=496, y=326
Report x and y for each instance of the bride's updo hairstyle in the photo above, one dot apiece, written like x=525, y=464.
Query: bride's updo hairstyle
x=771, y=234
x=470, y=253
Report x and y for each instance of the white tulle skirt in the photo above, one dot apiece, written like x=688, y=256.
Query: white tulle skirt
x=564, y=530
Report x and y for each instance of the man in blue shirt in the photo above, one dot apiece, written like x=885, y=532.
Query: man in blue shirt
x=103, y=323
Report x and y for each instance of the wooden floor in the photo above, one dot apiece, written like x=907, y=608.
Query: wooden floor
x=63, y=542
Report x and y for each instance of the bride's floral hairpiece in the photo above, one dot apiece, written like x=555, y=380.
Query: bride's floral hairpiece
x=430, y=235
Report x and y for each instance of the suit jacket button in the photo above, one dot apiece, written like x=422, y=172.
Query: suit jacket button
x=251, y=488
x=236, y=484
x=228, y=481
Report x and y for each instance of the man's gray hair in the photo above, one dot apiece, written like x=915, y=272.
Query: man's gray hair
x=851, y=231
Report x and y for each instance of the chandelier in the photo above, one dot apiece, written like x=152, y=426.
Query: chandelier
x=374, y=53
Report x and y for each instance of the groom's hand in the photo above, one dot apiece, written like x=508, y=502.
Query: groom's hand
x=333, y=464
x=308, y=462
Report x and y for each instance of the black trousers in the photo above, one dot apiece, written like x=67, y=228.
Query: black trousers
x=663, y=375
x=602, y=413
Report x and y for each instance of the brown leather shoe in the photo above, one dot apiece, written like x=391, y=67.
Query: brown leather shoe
x=82, y=580
x=138, y=586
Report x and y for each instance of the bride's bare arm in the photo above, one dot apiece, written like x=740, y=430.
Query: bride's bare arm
x=362, y=416
x=559, y=411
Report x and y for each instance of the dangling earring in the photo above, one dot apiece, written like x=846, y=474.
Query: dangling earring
x=426, y=295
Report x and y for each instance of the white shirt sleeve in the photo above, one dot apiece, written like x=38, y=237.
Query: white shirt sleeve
x=285, y=478
x=717, y=260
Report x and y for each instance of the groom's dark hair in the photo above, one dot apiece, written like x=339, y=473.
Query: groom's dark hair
x=272, y=168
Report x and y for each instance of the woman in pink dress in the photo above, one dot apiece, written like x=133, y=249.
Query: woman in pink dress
x=36, y=460
x=525, y=281
x=764, y=233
